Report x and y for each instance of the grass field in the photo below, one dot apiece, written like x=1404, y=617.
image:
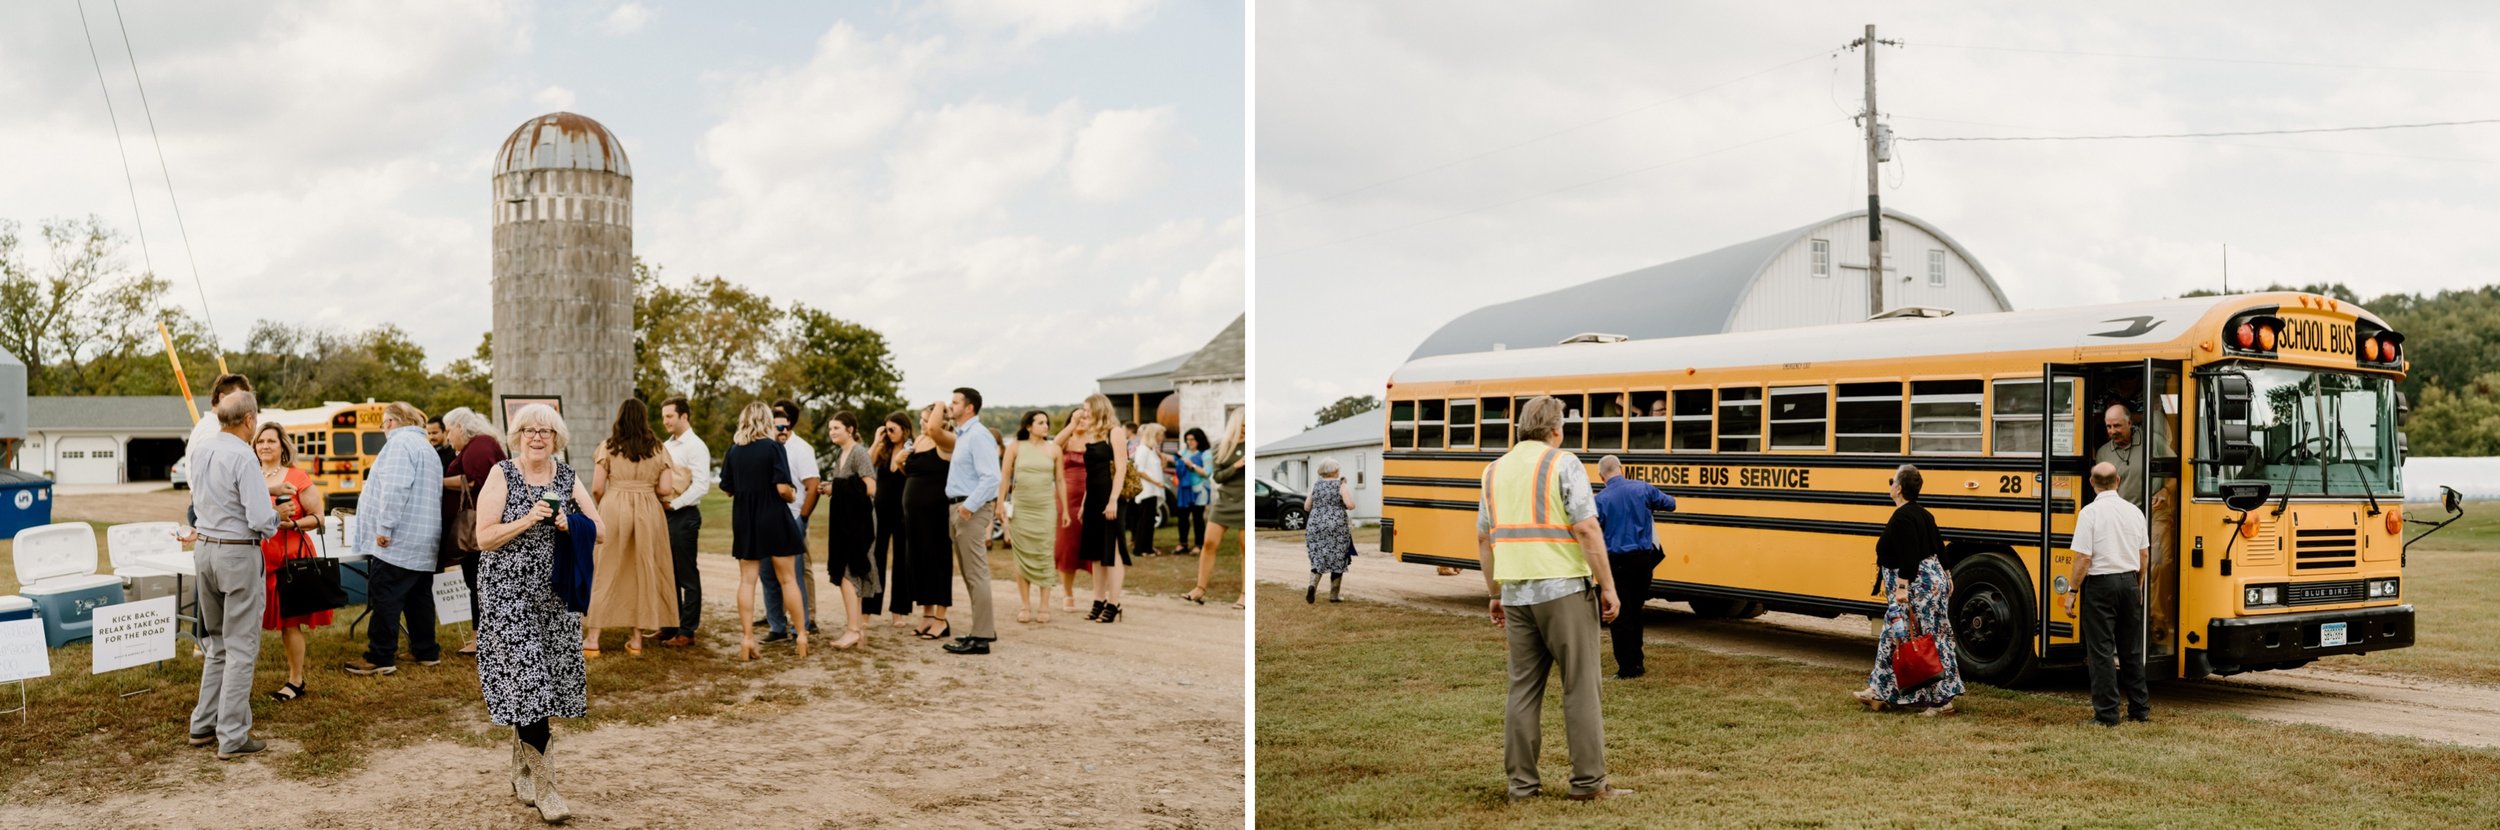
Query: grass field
x=1370, y=715
x=2456, y=600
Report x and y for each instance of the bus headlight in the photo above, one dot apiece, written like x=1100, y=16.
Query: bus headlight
x=2255, y=598
x=2382, y=589
x=2257, y=595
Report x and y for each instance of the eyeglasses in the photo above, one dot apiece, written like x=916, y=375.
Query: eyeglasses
x=534, y=431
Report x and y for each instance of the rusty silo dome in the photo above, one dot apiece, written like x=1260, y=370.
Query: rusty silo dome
x=562, y=141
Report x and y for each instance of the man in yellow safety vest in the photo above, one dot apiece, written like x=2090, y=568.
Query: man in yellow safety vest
x=1545, y=567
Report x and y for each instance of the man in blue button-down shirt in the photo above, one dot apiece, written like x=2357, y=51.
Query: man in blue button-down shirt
x=972, y=494
x=1624, y=512
x=399, y=518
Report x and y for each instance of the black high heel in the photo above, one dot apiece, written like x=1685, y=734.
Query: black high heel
x=1110, y=612
x=939, y=635
x=1096, y=614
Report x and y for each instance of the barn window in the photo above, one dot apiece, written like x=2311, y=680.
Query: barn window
x=1944, y=416
x=1935, y=268
x=1496, y=421
x=1740, y=419
x=1870, y=418
x=1822, y=257
x=1798, y=416
x=1692, y=420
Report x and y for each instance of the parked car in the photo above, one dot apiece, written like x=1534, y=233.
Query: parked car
x=1279, y=506
x=182, y=473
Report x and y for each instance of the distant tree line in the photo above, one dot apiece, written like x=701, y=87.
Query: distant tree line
x=85, y=323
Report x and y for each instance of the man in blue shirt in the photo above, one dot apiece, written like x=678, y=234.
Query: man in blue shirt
x=1624, y=511
x=972, y=499
x=399, y=518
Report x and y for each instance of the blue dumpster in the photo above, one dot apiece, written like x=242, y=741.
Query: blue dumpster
x=25, y=501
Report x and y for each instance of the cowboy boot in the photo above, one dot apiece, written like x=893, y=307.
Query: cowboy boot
x=551, y=806
x=522, y=787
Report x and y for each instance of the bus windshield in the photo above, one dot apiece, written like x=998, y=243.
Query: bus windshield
x=2299, y=418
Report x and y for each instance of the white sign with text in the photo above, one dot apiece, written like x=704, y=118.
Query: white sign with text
x=451, y=599
x=134, y=634
x=22, y=652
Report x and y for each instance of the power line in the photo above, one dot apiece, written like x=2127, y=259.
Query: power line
x=2251, y=61
x=127, y=178
x=1542, y=194
x=2415, y=156
x=1539, y=138
x=168, y=170
x=2198, y=135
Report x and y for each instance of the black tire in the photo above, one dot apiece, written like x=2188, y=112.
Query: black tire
x=1727, y=609
x=1293, y=519
x=1992, y=621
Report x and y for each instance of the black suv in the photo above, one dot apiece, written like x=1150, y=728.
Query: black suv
x=1279, y=506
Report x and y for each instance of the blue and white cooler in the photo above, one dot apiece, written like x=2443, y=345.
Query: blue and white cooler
x=14, y=607
x=56, y=571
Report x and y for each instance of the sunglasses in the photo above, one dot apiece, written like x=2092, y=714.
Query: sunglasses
x=781, y=427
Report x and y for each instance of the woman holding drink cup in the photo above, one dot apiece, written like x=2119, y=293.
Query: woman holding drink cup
x=529, y=658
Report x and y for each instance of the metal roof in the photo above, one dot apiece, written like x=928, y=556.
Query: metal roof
x=1362, y=429
x=562, y=140
x=152, y=412
x=1220, y=358
x=1152, y=377
x=1695, y=295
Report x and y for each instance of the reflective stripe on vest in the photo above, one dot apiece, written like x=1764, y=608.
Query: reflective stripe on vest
x=1530, y=540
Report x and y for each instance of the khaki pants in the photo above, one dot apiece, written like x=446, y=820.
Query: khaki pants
x=972, y=562
x=1560, y=631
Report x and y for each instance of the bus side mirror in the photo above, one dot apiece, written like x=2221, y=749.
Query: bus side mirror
x=2244, y=496
x=2451, y=499
x=2231, y=396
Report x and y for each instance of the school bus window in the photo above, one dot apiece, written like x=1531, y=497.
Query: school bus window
x=374, y=442
x=1575, y=420
x=1692, y=420
x=1648, y=428
x=2014, y=417
x=1496, y=420
x=1463, y=423
x=1799, y=415
x=1606, y=421
x=1869, y=418
x=1429, y=419
x=1402, y=424
x=1944, y=416
x=1740, y=419
x=342, y=443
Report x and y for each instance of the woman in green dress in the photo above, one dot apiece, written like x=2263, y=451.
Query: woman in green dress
x=1030, y=493
x=1227, y=473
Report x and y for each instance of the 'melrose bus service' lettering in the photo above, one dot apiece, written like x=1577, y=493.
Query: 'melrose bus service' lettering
x=1780, y=478
x=2316, y=336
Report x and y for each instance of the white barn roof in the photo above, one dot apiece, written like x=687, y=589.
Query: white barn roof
x=1362, y=429
x=1700, y=294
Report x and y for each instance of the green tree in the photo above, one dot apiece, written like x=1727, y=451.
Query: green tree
x=2460, y=422
x=827, y=364
x=1345, y=407
x=83, y=323
x=712, y=341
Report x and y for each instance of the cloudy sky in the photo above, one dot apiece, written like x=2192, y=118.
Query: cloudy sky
x=1022, y=196
x=1419, y=160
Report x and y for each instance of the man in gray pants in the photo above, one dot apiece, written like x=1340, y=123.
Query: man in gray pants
x=235, y=514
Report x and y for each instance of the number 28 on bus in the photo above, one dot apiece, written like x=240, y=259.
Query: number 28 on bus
x=2257, y=432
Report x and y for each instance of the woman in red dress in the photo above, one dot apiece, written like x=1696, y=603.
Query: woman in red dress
x=1067, y=550
x=293, y=541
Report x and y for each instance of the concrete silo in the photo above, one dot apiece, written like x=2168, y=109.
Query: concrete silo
x=564, y=282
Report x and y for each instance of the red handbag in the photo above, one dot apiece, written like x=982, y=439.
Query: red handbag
x=1915, y=662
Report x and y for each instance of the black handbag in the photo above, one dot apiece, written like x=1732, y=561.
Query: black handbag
x=309, y=585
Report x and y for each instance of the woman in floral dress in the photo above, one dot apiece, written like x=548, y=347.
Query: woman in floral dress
x=529, y=645
x=1329, y=537
x=1920, y=594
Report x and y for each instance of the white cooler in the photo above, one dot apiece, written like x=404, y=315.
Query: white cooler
x=14, y=607
x=126, y=543
x=56, y=571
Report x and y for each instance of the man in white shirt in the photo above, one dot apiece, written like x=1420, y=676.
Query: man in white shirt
x=2109, y=549
x=803, y=470
x=685, y=518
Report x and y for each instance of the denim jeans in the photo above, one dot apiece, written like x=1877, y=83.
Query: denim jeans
x=775, y=620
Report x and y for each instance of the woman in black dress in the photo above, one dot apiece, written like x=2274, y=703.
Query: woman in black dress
x=1104, y=470
x=849, y=487
x=927, y=541
x=893, y=446
x=756, y=475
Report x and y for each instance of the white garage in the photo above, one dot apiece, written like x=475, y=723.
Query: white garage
x=89, y=459
x=103, y=439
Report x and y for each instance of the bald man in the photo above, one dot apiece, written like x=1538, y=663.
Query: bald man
x=2107, y=582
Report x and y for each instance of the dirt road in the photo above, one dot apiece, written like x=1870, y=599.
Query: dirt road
x=1070, y=724
x=2380, y=704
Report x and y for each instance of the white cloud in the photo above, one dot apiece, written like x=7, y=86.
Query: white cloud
x=1031, y=21
x=554, y=99
x=1119, y=153
x=627, y=19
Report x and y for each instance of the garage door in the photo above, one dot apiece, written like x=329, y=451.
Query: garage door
x=89, y=461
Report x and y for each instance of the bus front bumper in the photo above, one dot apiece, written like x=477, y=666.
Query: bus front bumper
x=2278, y=638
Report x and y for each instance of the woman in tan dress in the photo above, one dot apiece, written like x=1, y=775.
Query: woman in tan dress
x=633, y=582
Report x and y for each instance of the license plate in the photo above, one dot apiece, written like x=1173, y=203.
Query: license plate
x=2331, y=634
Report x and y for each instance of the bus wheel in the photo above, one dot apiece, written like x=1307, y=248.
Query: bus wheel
x=1727, y=609
x=1991, y=621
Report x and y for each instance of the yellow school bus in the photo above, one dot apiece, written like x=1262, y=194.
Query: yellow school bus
x=1778, y=446
x=335, y=443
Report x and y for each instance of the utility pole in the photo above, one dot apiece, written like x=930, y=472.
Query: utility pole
x=1874, y=200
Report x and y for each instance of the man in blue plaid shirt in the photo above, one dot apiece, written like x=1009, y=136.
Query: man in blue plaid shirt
x=399, y=520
